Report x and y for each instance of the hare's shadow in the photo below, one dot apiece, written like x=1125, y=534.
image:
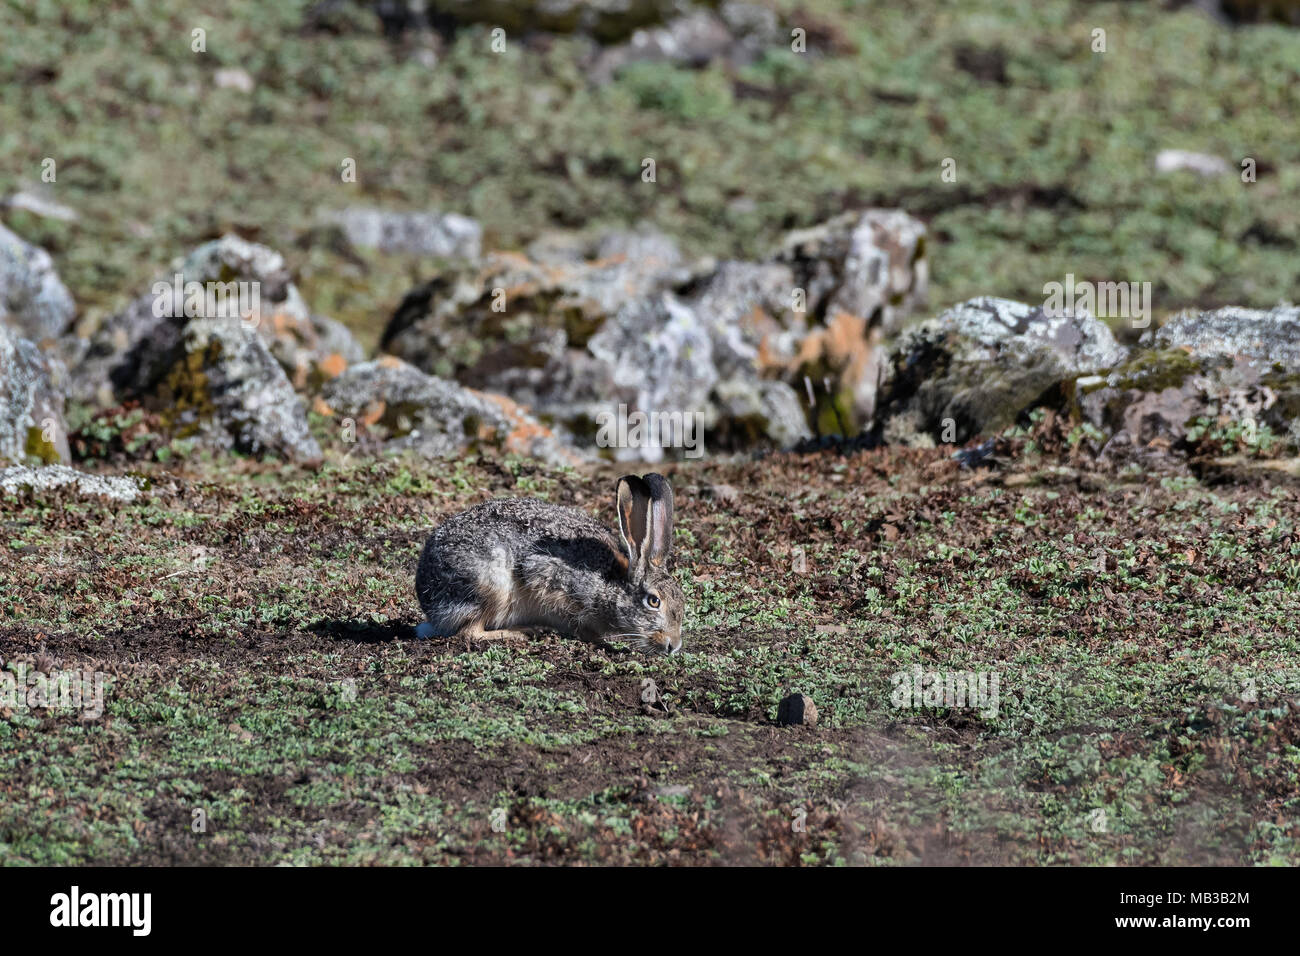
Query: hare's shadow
x=365, y=632
x=368, y=632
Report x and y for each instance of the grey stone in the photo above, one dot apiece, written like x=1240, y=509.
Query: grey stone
x=976, y=367
x=441, y=235
x=736, y=32
x=224, y=387
x=31, y=402
x=32, y=297
x=39, y=201
x=1174, y=160
x=1257, y=336
x=413, y=411
x=127, y=352
x=36, y=481
x=870, y=264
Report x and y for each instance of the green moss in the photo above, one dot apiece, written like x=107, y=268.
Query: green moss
x=186, y=390
x=38, y=447
x=1152, y=371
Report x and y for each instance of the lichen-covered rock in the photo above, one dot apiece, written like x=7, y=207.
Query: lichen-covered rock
x=1262, y=338
x=406, y=409
x=757, y=411
x=749, y=308
x=870, y=264
x=758, y=330
x=575, y=328
x=33, y=298
x=1229, y=376
x=440, y=235
x=224, y=388
x=979, y=365
x=1144, y=406
x=659, y=355
x=19, y=479
x=521, y=326
x=31, y=402
x=515, y=310
x=128, y=352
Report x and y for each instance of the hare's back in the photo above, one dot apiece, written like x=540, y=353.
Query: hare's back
x=520, y=527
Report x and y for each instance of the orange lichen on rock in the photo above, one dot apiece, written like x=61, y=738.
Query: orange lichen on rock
x=333, y=365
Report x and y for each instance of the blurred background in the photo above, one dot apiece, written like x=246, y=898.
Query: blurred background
x=160, y=147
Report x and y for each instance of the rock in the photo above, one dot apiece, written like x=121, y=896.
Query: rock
x=121, y=355
x=1232, y=371
x=749, y=310
x=441, y=235
x=976, y=367
x=871, y=264
x=36, y=481
x=737, y=32
x=577, y=328
x=1174, y=160
x=335, y=338
x=127, y=353
x=224, y=388
x=797, y=709
x=233, y=79
x=1144, y=405
x=523, y=328
x=31, y=402
x=659, y=355
x=409, y=410
x=1255, y=336
x=32, y=297
x=758, y=411
x=39, y=201
x=673, y=791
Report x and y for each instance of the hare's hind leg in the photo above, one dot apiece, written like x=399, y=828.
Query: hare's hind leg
x=474, y=631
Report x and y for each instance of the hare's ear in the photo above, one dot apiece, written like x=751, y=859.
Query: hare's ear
x=661, y=519
x=634, y=522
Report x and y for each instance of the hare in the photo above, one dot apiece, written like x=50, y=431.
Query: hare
x=520, y=562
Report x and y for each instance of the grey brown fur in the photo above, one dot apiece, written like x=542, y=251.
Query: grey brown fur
x=519, y=562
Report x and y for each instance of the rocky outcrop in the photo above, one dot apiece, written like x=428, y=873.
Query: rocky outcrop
x=401, y=408
x=32, y=297
x=868, y=264
x=1204, y=385
x=223, y=387
x=979, y=365
x=1261, y=338
x=227, y=278
x=1228, y=379
x=574, y=329
x=31, y=402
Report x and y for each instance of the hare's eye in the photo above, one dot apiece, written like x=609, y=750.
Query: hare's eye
x=652, y=600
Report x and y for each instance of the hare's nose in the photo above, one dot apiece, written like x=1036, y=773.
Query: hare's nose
x=674, y=647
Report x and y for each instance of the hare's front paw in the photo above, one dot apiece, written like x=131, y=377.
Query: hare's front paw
x=424, y=631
